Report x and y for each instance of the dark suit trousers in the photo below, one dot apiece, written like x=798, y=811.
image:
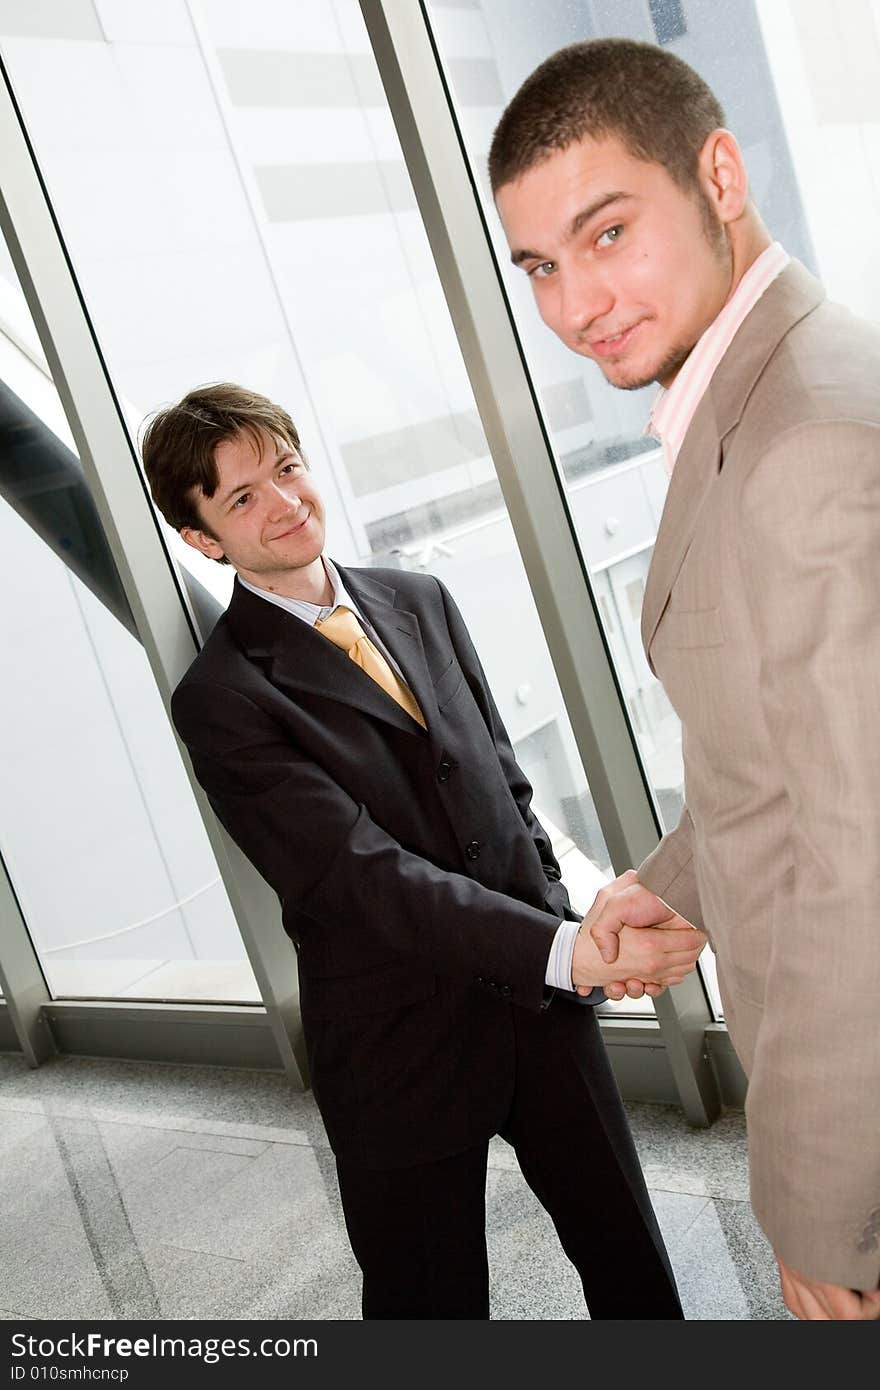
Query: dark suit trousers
x=419, y=1233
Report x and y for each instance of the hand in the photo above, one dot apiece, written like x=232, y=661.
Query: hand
x=814, y=1301
x=663, y=955
x=627, y=902
x=618, y=989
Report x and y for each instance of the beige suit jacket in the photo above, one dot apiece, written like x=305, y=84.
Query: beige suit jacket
x=762, y=619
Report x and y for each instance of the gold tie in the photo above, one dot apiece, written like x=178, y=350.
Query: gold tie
x=344, y=630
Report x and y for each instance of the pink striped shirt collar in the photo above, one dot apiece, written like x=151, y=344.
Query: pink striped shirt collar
x=674, y=409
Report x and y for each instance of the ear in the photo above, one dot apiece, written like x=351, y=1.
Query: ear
x=201, y=540
x=723, y=176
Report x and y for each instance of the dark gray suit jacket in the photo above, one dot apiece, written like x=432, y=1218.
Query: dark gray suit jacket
x=418, y=887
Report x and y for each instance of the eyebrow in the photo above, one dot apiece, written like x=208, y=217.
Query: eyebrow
x=243, y=487
x=577, y=222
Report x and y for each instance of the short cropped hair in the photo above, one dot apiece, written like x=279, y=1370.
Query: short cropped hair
x=179, y=444
x=650, y=100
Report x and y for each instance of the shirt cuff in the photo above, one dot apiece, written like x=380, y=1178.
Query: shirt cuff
x=558, y=974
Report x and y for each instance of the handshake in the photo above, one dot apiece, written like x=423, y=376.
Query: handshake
x=631, y=942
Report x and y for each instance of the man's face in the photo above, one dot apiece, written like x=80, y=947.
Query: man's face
x=624, y=267
x=266, y=515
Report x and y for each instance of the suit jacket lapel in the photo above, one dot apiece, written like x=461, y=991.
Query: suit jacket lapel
x=399, y=630
x=696, y=466
x=299, y=659
x=791, y=296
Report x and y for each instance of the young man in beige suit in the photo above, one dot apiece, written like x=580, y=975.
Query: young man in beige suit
x=626, y=202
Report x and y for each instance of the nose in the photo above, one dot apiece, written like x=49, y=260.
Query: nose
x=283, y=500
x=585, y=298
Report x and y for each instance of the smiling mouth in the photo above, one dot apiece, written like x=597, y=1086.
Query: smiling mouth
x=292, y=530
x=614, y=343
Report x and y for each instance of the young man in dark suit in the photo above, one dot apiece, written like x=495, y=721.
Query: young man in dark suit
x=341, y=724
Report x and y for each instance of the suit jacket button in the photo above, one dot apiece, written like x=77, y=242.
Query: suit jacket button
x=478, y=980
x=473, y=850
x=444, y=771
x=506, y=991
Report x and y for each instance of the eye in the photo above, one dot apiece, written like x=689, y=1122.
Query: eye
x=294, y=466
x=610, y=235
x=540, y=272
x=241, y=501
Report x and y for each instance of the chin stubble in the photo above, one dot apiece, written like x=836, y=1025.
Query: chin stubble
x=670, y=365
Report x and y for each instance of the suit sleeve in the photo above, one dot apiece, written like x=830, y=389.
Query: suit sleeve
x=809, y=566
x=557, y=895
x=670, y=872
x=324, y=854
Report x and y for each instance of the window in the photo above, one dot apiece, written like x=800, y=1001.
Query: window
x=236, y=207
x=99, y=831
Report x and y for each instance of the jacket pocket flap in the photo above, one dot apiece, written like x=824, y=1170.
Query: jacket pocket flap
x=446, y=685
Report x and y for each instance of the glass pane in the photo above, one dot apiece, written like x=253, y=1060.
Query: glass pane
x=98, y=827
x=766, y=61
x=236, y=205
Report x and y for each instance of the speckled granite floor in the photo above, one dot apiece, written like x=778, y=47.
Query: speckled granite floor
x=137, y=1191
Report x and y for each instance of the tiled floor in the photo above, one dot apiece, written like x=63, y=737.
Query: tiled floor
x=136, y=1191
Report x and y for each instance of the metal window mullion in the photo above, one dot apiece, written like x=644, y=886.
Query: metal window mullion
x=156, y=600
x=21, y=979
x=449, y=205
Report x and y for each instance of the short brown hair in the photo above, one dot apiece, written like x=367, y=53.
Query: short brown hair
x=658, y=107
x=180, y=441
